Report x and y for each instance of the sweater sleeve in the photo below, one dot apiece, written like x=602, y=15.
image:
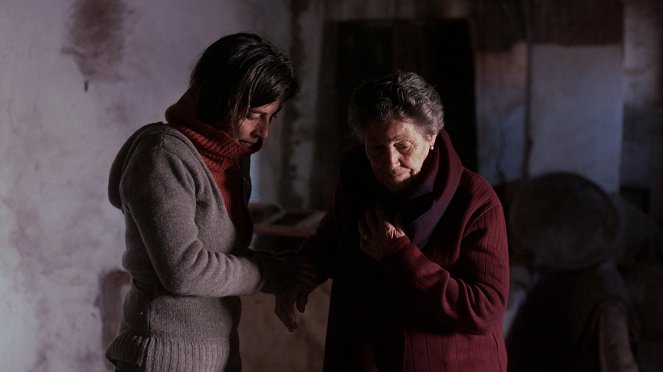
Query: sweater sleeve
x=471, y=296
x=158, y=190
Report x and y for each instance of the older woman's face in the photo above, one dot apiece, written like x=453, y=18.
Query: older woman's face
x=396, y=150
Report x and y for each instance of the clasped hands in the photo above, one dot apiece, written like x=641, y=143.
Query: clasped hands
x=376, y=237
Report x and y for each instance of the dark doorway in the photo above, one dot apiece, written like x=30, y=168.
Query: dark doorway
x=440, y=51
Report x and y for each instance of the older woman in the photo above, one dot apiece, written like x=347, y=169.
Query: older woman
x=414, y=242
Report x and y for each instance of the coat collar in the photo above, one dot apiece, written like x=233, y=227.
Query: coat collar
x=443, y=183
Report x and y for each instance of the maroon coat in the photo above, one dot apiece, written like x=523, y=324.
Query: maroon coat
x=437, y=303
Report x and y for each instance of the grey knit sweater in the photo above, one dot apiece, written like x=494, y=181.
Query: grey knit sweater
x=187, y=261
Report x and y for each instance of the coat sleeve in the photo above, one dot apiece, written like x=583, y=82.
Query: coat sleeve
x=470, y=296
x=159, y=191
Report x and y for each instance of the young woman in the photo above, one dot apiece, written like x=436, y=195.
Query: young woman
x=183, y=187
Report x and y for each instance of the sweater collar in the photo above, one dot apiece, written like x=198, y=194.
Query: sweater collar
x=213, y=143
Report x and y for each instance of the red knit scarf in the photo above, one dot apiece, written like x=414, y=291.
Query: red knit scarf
x=222, y=154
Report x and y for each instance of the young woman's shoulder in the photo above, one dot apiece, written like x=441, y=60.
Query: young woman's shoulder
x=151, y=148
x=161, y=136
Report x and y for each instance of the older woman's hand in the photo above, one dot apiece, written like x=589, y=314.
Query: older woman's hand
x=377, y=234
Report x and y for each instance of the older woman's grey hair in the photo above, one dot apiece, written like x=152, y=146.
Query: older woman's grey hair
x=400, y=95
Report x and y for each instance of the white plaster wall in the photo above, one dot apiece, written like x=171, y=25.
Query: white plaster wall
x=58, y=233
x=642, y=90
x=501, y=85
x=576, y=111
x=642, y=158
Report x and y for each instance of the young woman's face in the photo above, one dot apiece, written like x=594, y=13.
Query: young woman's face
x=255, y=126
x=396, y=150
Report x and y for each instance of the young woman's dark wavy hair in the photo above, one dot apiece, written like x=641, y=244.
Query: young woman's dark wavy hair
x=399, y=95
x=237, y=72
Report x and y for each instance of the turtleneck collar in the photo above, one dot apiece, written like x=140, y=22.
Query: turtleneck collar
x=215, y=144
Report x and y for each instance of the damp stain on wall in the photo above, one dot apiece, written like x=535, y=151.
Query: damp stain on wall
x=96, y=34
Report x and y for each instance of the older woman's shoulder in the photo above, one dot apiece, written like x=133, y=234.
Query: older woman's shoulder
x=475, y=187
